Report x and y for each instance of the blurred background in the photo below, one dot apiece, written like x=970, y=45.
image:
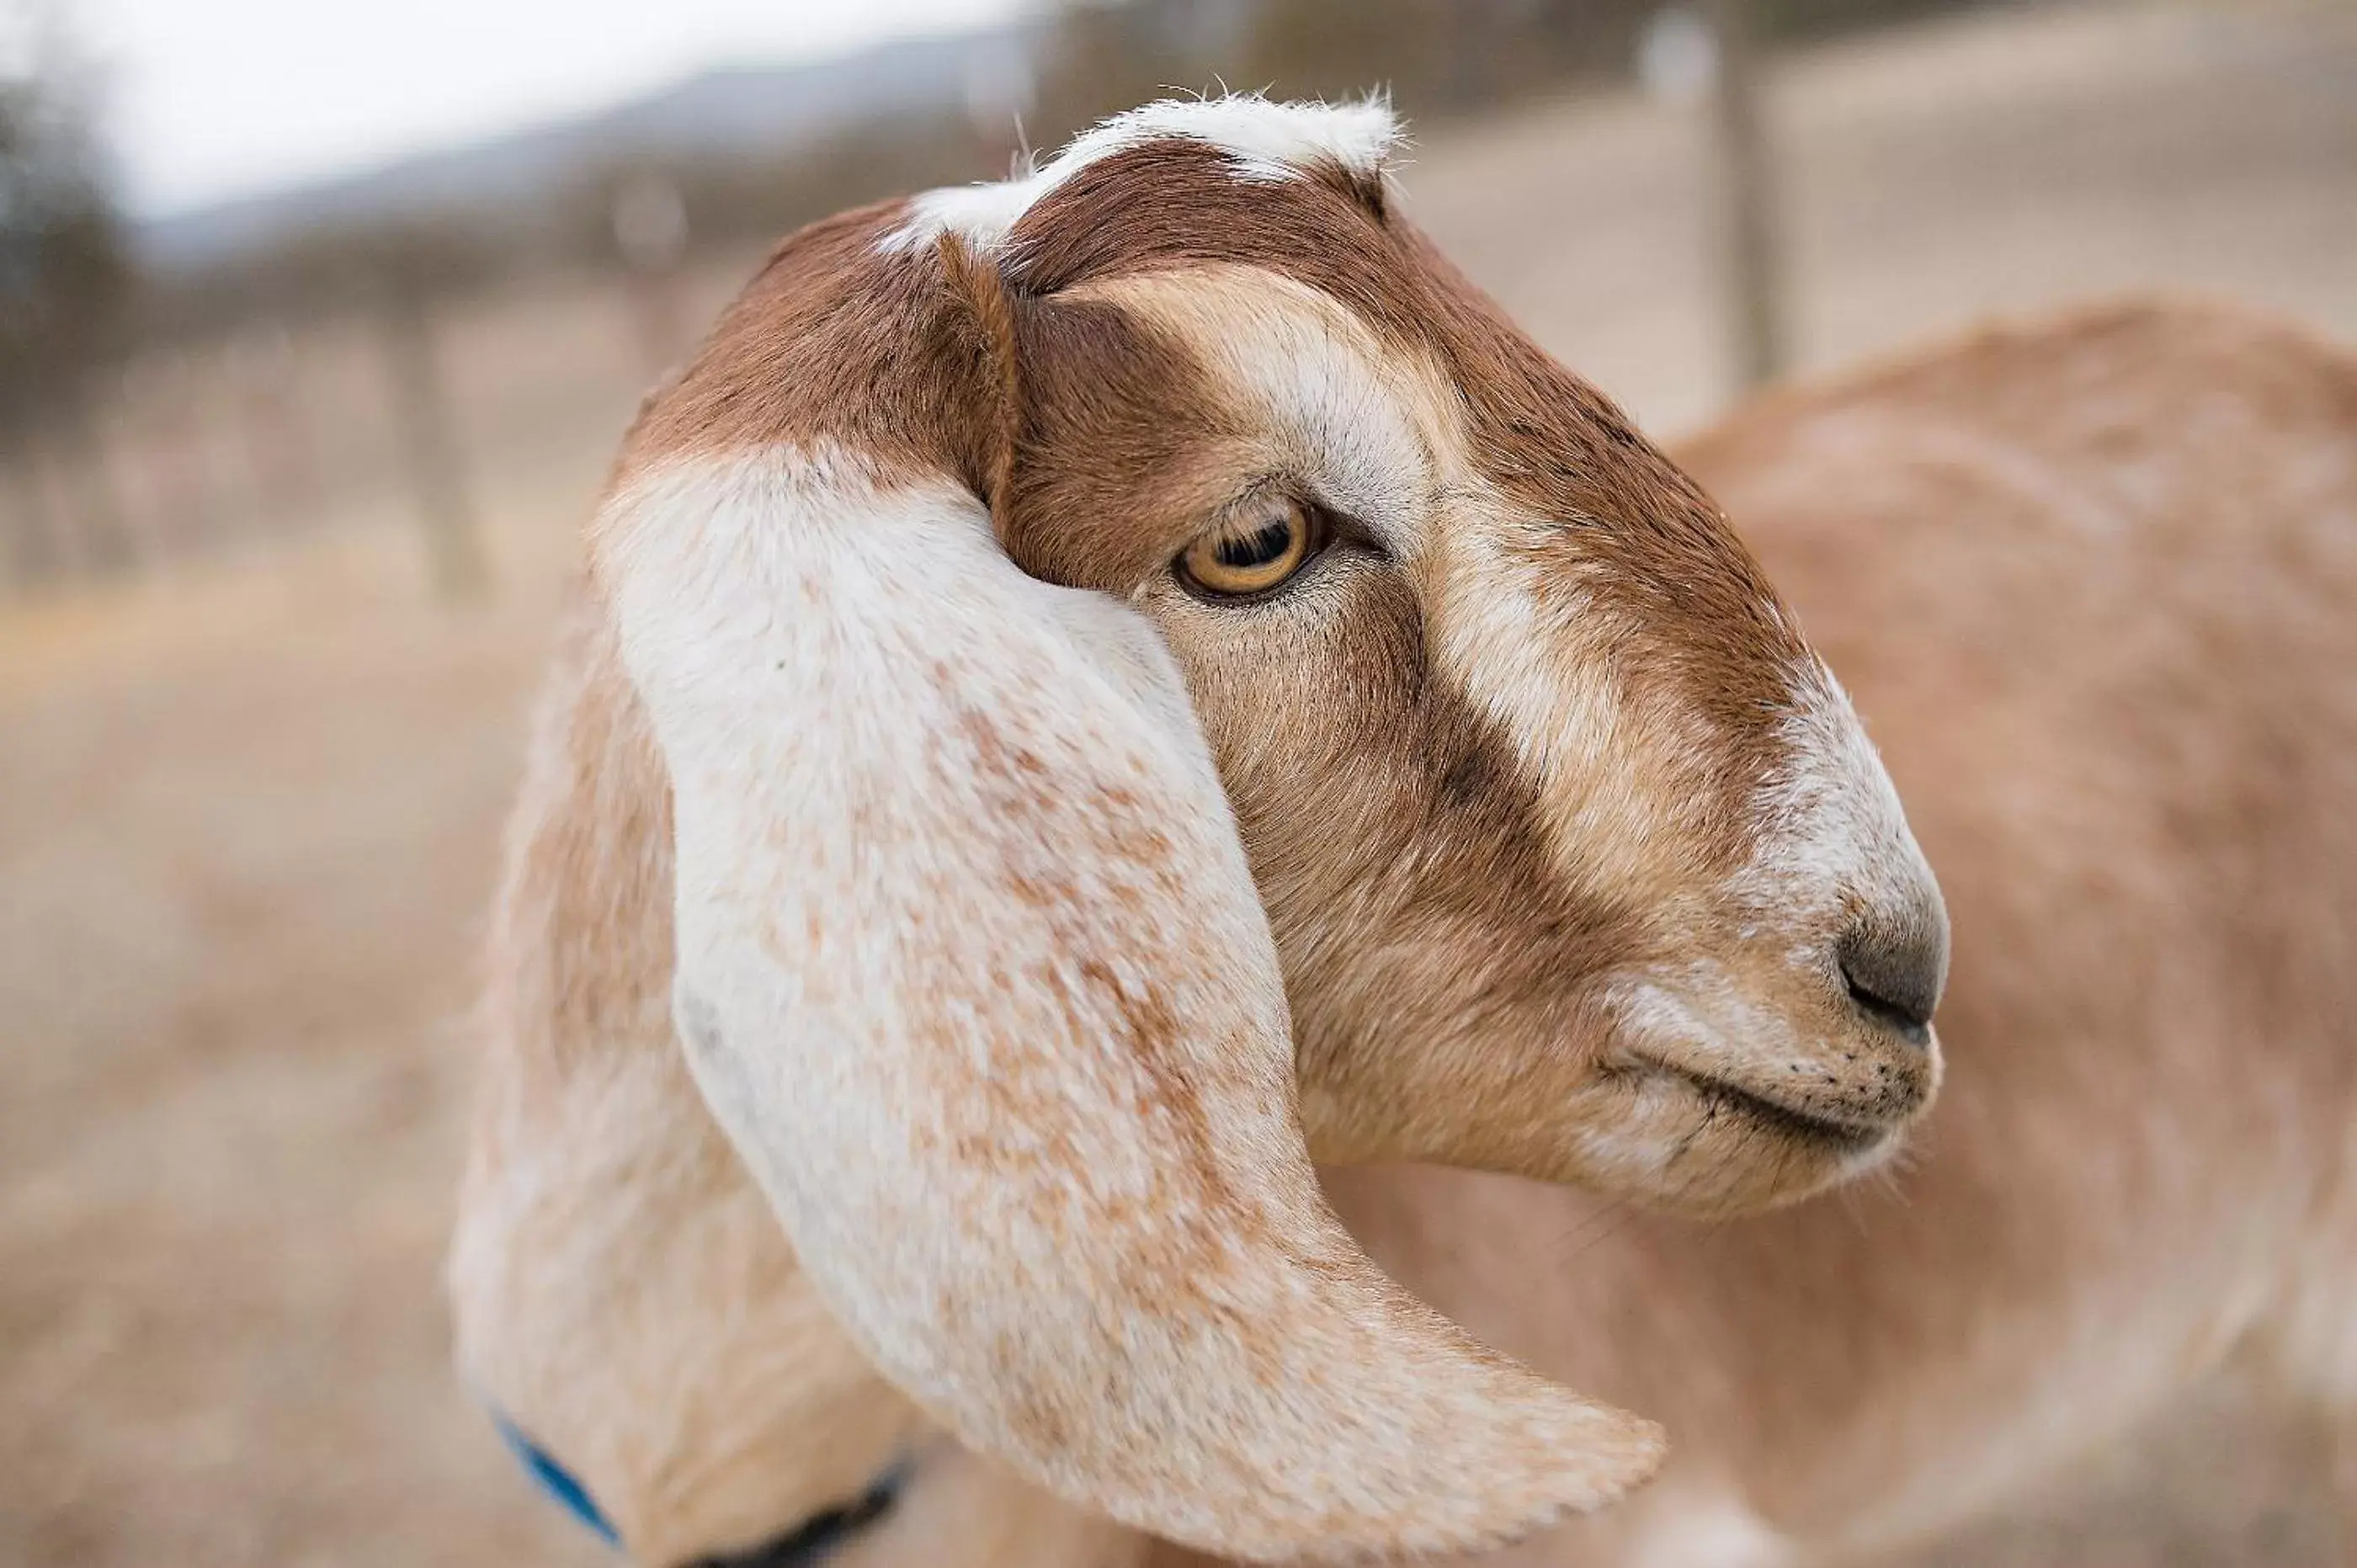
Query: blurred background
x=318, y=325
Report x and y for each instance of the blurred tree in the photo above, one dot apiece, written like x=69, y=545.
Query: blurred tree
x=332, y=267
x=65, y=289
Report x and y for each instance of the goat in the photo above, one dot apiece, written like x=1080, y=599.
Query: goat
x=1155, y=681
x=1568, y=859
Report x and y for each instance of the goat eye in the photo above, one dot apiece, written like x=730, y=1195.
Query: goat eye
x=1250, y=555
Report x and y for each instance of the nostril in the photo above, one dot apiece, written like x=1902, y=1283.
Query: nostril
x=1916, y=1027
x=1894, y=983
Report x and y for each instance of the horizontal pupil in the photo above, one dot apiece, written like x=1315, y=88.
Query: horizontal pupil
x=1259, y=549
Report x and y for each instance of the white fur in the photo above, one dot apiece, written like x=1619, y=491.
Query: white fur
x=1265, y=143
x=1504, y=642
x=1831, y=818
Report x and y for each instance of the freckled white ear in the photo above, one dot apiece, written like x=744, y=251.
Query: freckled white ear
x=971, y=971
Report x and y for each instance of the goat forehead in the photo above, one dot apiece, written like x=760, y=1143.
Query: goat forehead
x=1173, y=203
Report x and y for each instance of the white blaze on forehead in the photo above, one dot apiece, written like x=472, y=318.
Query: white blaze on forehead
x=1265, y=142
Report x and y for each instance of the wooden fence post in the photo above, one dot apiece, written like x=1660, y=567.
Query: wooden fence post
x=649, y=220
x=34, y=555
x=429, y=440
x=1751, y=259
x=102, y=523
x=264, y=396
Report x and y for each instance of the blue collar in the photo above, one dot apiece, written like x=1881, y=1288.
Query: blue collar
x=556, y=1480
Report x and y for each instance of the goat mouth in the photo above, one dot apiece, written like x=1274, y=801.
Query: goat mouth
x=1800, y=1126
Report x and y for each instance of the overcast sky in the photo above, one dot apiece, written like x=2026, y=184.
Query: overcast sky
x=218, y=97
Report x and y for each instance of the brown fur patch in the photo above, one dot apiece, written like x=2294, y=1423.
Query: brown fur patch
x=1117, y=464
x=582, y=943
x=835, y=341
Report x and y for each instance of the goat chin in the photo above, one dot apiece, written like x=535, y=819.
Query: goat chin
x=1101, y=692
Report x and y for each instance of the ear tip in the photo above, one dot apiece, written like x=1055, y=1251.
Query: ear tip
x=1565, y=1457
x=1616, y=1452
x=1581, y=1456
x=1612, y=1428
x=1587, y=1456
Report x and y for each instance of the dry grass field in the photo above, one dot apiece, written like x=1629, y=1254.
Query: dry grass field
x=248, y=807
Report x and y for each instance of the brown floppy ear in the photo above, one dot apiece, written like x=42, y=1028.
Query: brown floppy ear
x=971, y=971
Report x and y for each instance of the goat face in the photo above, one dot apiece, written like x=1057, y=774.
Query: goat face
x=1159, y=681
x=1579, y=864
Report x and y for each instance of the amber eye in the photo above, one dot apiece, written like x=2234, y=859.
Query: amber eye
x=1252, y=554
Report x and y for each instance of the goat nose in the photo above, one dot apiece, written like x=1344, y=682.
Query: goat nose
x=1894, y=973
